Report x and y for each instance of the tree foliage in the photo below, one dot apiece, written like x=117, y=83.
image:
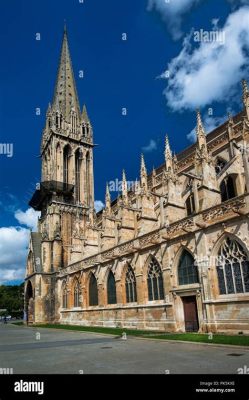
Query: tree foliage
x=12, y=298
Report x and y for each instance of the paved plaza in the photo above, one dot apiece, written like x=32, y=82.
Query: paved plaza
x=72, y=352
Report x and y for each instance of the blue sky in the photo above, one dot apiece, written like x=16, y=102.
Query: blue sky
x=117, y=74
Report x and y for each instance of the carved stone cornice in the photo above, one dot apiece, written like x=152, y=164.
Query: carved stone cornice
x=224, y=208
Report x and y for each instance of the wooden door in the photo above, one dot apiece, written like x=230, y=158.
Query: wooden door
x=190, y=314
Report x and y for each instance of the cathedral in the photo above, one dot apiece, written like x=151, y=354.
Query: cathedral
x=170, y=253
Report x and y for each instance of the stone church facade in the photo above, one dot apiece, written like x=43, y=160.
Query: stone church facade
x=169, y=254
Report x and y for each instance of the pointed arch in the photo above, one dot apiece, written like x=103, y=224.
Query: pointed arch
x=190, y=204
x=78, y=183
x=130, y=285
x=228, y=188
x=76, y=293
x=187, y=270
x=87, y=177
x=58, y=162
x=232, y=267
x=64, y=292
x=155, y=280
x=93, y=290
x=111, y=289
x=29, y=302
x=29, y=291
x=66, y=163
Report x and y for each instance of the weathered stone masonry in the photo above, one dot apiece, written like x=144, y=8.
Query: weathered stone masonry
x=169, y=254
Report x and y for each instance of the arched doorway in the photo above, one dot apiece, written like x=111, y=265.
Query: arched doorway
x=29, y=303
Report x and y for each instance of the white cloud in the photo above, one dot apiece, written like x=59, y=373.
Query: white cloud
x=210, y=123
x=237, y=3
x=150, y=147
x=13, y=253
x=211, y=71
x=172, y=13
x=98, y=205
x=28, y=218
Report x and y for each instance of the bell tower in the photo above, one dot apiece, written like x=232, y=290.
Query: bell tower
x=65, y=195
x=67, y=140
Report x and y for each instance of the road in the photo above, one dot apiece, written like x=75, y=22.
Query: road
x=72, y=352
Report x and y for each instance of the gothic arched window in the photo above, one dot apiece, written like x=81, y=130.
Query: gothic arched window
x=130, y=286
x=155, y=281
x=227, y=188
x=66, y=155
x=232, y=268
x=76, y=294
x=187, y=270
x=190, y=204
x=64, y=296
x=93, y=291
x=111, y=289
x=78, y=161
x=87, y=178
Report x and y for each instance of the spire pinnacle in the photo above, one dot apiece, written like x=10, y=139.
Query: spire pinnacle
x=143, y=174
x=143, y=170
x=124, y=187
x=245, y=90
x=65, y=92
x=84, y=114
x=199, y=127
x=230, y=118
x=168, y=154
x=107, y=198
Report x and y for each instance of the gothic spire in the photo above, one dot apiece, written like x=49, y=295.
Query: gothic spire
x=107, y=198
x=168, y=154
x=143, y=174
x=124, y=188
x=245, y=91
x=65, y=92
x=200, y=133
x=84, y=114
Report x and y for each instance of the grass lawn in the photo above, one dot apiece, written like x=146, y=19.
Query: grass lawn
x=238, y=340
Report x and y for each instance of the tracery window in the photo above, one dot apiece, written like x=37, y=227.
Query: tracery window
x=111, y=289
x=64, y=296
x=187, y=270
x=232, y=268
x=227, y=188
x=155, y=281
x=93, y=291
x=76, y=294
x=130, y=286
